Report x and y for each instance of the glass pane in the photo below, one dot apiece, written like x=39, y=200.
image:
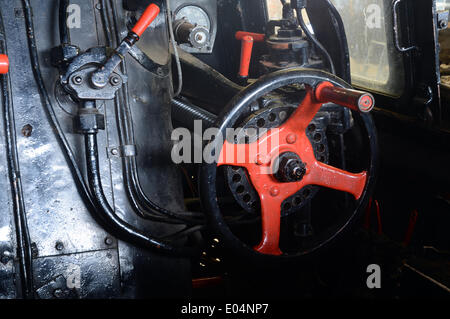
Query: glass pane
x=275, y=9
x=375, y=63
x=443, y=4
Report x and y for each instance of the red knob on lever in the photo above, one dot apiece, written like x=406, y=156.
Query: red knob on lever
x=353, y=99
x=247, y=39
x=100, y=78
x=146, y=19
x=4, y=64
x=246, y=56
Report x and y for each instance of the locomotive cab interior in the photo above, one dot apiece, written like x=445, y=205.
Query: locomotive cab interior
x=278, y=149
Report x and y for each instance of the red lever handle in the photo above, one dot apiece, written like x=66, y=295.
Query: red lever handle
x=246, y=56
x=247, y=38
x=353, y=99
x=257, y=37
x=4, y=64
x=146, y=19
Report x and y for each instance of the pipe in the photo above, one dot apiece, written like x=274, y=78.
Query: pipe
x=45, y=99
x=94, y=201
x=313, y=39
x=143, y=206
x=63, y=29
x=24, y=252
x=117, y=225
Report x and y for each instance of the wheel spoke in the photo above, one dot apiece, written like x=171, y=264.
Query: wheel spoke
x=305, y=112
x=271, y=220
x=259, y=157
x=328, y=176
x=237, y=154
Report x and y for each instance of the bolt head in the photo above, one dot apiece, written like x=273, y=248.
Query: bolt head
x=274, y=191
x=291, y=138
x=259, y=159
x=290, y=168
x=108, y=241
x=77, y=80
x=115, y=80
x=59, y=246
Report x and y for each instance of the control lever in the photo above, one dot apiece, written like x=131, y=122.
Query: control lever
x=101, y=77
x=4, y=64
x=353, y=99
x=247, y=39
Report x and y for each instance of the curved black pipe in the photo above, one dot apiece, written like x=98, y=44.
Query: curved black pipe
x=330, y=31
x=116, y=224
x=24, y=253
x=95, y=204
x=64, y=144
x=144, y=206
x=313, y=39
x=63, y=29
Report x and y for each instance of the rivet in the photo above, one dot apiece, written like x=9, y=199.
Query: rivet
x=291, y=138
x=27, y=130
x=59, y=245
x=108, y=241
x=115, y=80
x=259, y=160
x=77, y=80
x=275, y=191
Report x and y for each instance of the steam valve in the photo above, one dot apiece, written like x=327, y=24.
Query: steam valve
x=195, y=35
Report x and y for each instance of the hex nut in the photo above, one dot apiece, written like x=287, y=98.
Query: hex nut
x=89, y=121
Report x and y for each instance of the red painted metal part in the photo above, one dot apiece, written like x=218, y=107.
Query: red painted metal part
x=246, y=56
x=259, y=157
x=4, y=64
x=411, y=227
x=353, y=99
x=146, y=19
x=247, y=39
x=378, y=215
x=257, y=37
x=380, y=225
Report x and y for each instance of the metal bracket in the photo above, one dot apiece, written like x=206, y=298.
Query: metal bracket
x=398, y=46
x=122, y=151
x=79, y=84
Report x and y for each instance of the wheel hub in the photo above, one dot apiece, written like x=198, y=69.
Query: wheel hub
x=289, y=168
x=272, y=193
x=270, y=117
